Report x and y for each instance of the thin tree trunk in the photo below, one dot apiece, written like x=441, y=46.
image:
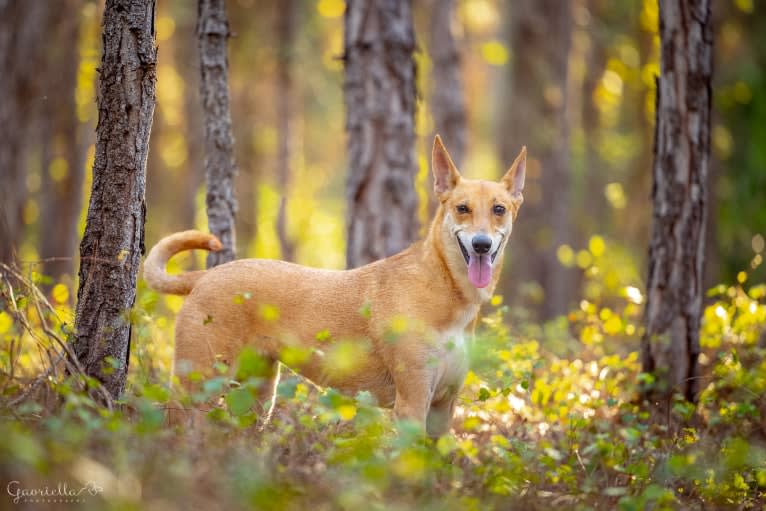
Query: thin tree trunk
x=113, y=243
x=22, y=49
x=62, y=198
x=536, y=116
x=220, y=167
x=285, y=97
x=380, y=94
x=447, y=96
x=670, y=346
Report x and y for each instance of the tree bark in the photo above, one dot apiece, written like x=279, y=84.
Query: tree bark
x=380, y=95
x=220, y=167
x=447, y=96
x=22, y=50
x=285, y=97
x=670, y=345
x=540, y=38
x=62, y=196
x=113, y=242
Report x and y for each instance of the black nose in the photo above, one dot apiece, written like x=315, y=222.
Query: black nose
x=481, y=243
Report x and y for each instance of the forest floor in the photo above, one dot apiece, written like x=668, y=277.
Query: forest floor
x=549, y=418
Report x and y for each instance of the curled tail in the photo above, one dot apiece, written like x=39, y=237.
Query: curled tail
x=154, y=265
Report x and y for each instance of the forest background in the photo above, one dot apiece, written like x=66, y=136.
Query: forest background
x=550, y=415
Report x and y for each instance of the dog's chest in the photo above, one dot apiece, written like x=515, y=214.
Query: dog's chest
x=451, y=359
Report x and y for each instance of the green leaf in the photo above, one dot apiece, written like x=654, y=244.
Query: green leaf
x=286, y=388
x=240, y=401
x=446, y=444
x=155, y=392
x=214, y=385
x=251, y=364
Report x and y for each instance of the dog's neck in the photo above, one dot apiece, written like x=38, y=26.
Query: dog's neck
x=436, y=254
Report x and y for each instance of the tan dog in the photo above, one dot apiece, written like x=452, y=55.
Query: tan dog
x=399, y=321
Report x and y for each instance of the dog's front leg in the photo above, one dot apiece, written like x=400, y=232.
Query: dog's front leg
x=414, y=389
x=439, y=416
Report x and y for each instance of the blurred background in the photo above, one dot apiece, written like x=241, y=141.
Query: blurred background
x=573, y=80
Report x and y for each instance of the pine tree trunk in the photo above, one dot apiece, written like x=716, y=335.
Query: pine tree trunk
x=113, y=243
x=540, y=38
x=447, y=96
x=220, y=167
x=380, y=95
x=670, y=346
x=285, y=97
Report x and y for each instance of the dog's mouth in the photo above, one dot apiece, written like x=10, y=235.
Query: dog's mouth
x=479, y=265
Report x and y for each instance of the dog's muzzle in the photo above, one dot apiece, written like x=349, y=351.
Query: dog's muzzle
x=481, y=245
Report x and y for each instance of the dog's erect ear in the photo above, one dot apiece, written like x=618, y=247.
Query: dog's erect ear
x=446, y=175
x=514, y=178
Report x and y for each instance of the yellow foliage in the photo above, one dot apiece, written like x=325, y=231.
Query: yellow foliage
x=471, y=379
x=266, y=244
x=268, y=312
x=331, y=8
x=650, y=16
x=347, y=412
x=615, y=195
x=410, y=465
x=165, y=26
x=5, y=322
x=596, y=245
x=60, y=293
x=744, y=5
x=345, y=357
x=584, y=259
x=31, y=212
x=295, y=356
x=58, y=169
x=174, y=302
x=495, y=53
x=613, y=325
x=565, y=255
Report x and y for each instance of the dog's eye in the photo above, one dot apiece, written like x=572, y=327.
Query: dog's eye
x=498, y=209
x=462, y=209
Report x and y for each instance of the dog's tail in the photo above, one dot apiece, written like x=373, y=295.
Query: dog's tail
x=154, y=265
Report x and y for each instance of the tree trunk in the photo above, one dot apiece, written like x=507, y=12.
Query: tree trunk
x=220, y=167
x=113, y=243
x=285, y=97
x=670, y=346
x=536, y=116
x=447, y=97
x=22, y=48
x=380, y=94
x=62, y=190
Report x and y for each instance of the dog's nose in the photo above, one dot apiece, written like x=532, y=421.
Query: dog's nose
x=481, y=243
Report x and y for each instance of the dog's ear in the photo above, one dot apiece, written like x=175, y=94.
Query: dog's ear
x=514, y=178
x=446, y=175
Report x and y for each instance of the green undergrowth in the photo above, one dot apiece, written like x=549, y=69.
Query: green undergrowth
x=550, y=417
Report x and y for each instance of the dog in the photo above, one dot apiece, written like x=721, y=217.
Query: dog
x=395, y=327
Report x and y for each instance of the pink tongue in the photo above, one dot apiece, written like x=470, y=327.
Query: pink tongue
x=479, y=270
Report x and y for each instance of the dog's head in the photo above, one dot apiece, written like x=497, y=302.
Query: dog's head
x=476, y=216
